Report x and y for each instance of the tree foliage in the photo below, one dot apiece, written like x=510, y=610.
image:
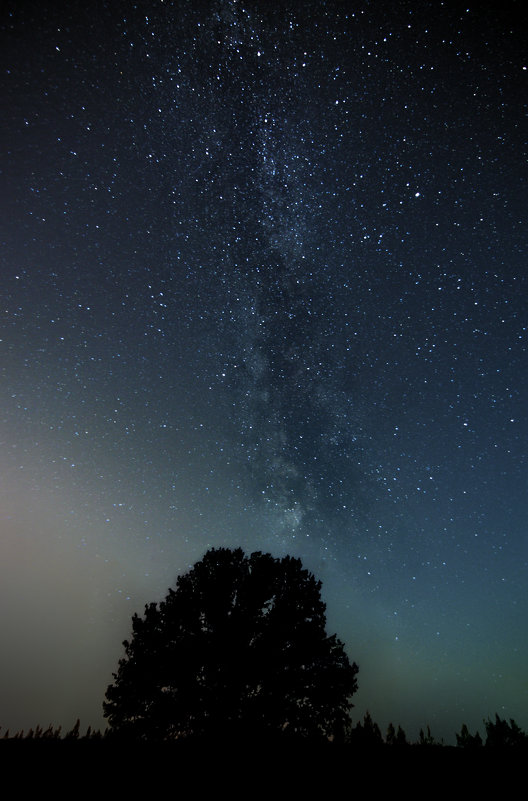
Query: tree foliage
x=366, y=734
x=426, y=739
x=465, y=739
x=240, y=646
x=395, y=737
x=500, y=733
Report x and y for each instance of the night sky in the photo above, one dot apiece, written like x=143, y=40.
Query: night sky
x=264, y=283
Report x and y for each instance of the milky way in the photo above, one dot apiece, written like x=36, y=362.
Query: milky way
x=264, y=284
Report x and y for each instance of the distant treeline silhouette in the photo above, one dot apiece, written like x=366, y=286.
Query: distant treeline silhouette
x=499, y=733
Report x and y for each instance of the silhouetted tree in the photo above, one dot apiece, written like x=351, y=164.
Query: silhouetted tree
x=501, y=733
x=390, y=738
x=74, y=733
x=52, y=733
x=395, y=737
x=427, y=739
x=466, y=740
x=239, y=647
x=366, y=734
x=401, y=737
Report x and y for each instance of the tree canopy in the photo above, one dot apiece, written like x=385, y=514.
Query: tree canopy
x=238, y=647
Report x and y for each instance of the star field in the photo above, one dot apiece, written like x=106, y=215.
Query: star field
x=264, y=284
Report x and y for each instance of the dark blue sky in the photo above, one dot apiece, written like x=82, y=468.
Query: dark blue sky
x=264, y=284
